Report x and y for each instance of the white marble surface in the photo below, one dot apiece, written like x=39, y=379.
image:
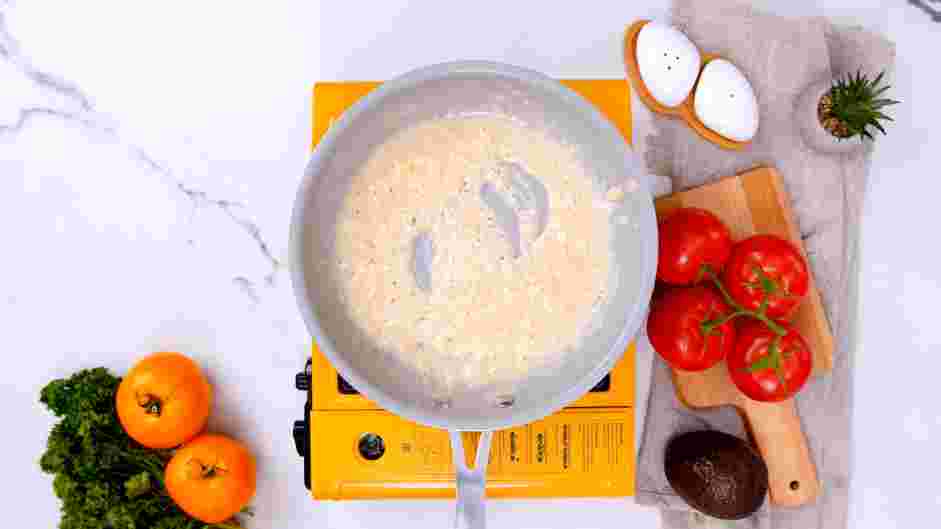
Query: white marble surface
x=149, y=153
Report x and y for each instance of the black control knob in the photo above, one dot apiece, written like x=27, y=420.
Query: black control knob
x=300, y=437
x=302, y=381
x=300, y=430
x=371, y=446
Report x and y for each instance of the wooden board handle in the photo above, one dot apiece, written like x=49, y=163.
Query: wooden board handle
x=777, y=431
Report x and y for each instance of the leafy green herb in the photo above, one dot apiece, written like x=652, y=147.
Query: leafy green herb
x=137, y=485
x=105, y=479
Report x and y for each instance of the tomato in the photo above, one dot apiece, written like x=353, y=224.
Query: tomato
x=678, y=328
x=766, y=367
x=164, y=400
x=766, y=266
x=211, y=478
x=689, y=239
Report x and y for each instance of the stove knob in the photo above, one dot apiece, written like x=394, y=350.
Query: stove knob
x=302, y=381
x=300, y=437
x=371, y=446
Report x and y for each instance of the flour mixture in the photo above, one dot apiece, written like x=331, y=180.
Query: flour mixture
x=473, y=249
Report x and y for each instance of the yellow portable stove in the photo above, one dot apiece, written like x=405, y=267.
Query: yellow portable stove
x=353, y=449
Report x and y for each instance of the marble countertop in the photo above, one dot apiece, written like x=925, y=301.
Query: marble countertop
x=149, y=155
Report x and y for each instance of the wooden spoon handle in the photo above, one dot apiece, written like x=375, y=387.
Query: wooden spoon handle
x=776, y=429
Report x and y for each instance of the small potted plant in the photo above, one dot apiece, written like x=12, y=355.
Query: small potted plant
x=836, y=116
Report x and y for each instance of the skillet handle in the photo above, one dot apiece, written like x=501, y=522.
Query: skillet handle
x=471, y=482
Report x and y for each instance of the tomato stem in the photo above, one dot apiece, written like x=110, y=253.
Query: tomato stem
x=774, y=326
x=759, y=314
x=707, y=327
x=151, y=403
x=773, y=360
x=210, y=471
x=710, y=273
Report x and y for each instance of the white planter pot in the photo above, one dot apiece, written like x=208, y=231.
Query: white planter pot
x=814, y=135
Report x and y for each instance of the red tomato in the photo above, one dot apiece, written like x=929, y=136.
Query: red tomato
x=768, y=368
x=689, y=239
x=678, y=328
x=766, y=266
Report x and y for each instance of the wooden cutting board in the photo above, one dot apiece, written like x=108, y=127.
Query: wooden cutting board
x=751, y=203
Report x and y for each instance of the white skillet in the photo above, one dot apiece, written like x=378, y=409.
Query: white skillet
x=454, y=89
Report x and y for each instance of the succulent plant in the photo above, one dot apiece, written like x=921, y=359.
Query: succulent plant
x=853, y=104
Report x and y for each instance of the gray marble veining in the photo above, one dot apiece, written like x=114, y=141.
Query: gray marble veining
x=77, y=108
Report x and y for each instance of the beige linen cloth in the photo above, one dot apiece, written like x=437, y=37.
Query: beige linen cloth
x=781, y=56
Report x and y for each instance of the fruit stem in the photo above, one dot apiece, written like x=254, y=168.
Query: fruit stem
x=774, y=359
x=151, y=403
x=739, y=310
x=774, y=326
x=708, y=326
x=710, y=273
x=210, y=471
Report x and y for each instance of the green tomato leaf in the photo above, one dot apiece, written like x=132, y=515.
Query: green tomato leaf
x=765, y=362
x=765, y=282
x=772, y=360
x=779, y=371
